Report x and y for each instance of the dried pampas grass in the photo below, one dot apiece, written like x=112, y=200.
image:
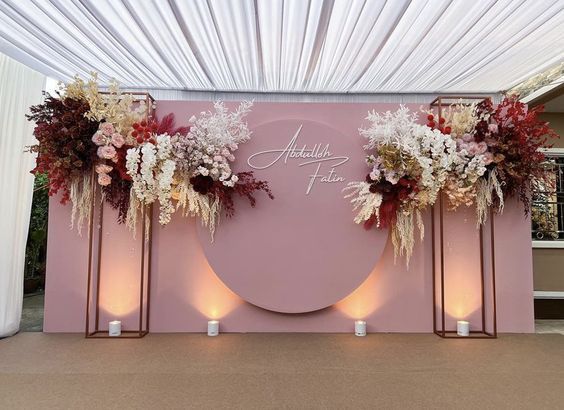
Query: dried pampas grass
x=81, y=192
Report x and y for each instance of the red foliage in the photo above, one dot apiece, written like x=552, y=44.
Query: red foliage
x=168, y=126
x=146, y=130
x=246, y=187
x=117, y=195
x=483, y=109
x=64, y=149
x=515, y=145
x=392, y=198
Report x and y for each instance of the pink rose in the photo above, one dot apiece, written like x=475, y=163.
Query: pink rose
x=104, y=179
x=98, y=138
x=106, y=152
x=103, y=169
x=472, y=149
x=107, y=128
x=488, y=158
x=493, y=128
x=482, y=147
x=117, y=140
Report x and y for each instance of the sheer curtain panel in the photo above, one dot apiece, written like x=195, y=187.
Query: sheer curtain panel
x=20, y=87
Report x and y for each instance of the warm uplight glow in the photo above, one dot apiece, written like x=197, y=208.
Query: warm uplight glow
x=463, y=297
x=119, y=291
x=463, y=310
x=210, y=296
x=364, y=300
x=119, y=295
x=120, y=273
x=462, y=294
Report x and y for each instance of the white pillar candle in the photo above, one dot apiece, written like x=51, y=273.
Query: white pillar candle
x=360, y=328
x=463, y=328
x=114, y=328
x=213, y=328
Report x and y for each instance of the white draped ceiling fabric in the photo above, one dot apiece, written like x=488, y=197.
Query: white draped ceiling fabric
x=296, y=46
x=20, y=87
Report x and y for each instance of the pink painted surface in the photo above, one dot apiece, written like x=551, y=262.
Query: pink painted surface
x=303, y=252
x=186, y=291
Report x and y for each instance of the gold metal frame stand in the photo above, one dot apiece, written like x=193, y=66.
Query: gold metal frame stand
x=439, y=327
x=95, y=234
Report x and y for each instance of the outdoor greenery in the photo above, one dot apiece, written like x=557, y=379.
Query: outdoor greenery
x=35, y=253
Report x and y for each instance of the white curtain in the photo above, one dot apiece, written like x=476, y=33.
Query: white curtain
x=20, y=87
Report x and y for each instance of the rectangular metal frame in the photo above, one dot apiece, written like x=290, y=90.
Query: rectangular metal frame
x=95, y=258
x=441, y=331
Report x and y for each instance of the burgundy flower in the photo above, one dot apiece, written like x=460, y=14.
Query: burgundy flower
x=64, y=149
x=202, y=184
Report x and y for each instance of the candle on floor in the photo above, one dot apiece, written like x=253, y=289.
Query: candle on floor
x=213, y=328
x=463, y=328
x=360, y=328
x=114, y=328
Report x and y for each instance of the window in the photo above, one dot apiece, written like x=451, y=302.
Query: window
x=547, y=210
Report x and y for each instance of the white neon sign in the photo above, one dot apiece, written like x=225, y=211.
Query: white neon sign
x=319, y=155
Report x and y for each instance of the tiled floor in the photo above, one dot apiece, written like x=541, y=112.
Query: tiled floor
x=549, y=326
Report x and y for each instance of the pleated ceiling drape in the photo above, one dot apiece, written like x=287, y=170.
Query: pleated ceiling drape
x=295, y=46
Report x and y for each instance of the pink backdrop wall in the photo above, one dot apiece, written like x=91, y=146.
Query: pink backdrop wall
x=185, y=292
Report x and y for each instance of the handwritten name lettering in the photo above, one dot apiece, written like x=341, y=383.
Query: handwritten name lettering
x=319, y=156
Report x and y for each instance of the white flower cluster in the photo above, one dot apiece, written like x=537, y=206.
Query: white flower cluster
x=394, y=128
x=437, y=156
x=195, y=156
x=410, y=165
x=208, y=148
x=151, y=168
x=472, y=157
x=422, y=153
x=469, y=166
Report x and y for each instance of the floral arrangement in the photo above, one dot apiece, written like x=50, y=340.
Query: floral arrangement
x=82, y=129
x=206, y=184
x=151, y=168
x=498, y=154
x=64, y=151
x=472, y=155
x=514, y=136
x=409, y=164
x=476, y=154
x=138, y=160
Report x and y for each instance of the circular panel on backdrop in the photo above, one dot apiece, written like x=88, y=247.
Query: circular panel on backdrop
x=302, y=251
